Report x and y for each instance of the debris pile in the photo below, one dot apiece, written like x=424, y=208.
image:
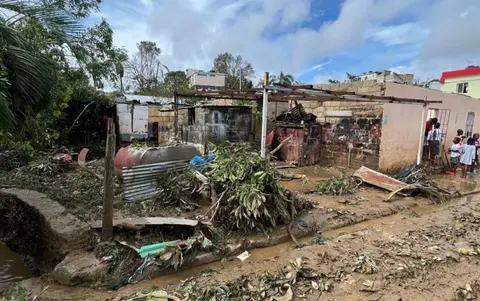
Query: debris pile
x=468, y=292
x=417, y=182
x=340, y=185
x=179, y=188
x=293, y=280
x=242, y=185
x=78, y=191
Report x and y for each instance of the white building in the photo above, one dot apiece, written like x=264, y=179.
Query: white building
x=207, y=81
x=386, y=76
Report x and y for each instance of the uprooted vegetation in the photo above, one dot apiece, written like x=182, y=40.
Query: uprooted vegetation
x=337, y=185
x=78, y=191
x=294, y=279
x=242, y=185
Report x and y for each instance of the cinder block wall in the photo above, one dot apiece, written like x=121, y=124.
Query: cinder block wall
x=364, y=128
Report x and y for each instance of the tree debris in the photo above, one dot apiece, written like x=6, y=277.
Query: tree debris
x=340, y=185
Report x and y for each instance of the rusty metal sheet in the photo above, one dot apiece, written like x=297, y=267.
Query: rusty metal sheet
x=149, y=221
x=378, y=179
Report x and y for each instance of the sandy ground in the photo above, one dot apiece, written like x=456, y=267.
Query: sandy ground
x=415, y=251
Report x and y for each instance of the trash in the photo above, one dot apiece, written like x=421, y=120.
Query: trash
x=365, y=264
x=287, y=297
x=142, y=222
x=243, y=256
x=368, y=286
x=469, y=292
x=199, y=162
x=62, y=157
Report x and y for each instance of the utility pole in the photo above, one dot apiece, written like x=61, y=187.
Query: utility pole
x=107, y=221
x=240, y=78
x=263, y=146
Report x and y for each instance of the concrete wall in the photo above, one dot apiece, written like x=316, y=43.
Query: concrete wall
x=450, y=85
x=459, y=106
x=400, y=136
x=207, y=79
x=368, y=87
x=133, y=121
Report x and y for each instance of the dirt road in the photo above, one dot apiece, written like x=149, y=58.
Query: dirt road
x=412, y=255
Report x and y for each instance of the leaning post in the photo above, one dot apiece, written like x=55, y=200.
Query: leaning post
x=107, y=221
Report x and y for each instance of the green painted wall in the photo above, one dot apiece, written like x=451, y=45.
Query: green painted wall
x=450, y=85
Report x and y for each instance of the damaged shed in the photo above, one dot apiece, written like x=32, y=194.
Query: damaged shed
x=207, y=123
x=303, y=135
x=355, y=129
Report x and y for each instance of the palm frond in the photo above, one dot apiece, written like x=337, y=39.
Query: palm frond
x=58, y=22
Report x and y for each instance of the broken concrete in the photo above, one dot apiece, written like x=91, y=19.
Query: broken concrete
x=38, y=229
x=80, y=269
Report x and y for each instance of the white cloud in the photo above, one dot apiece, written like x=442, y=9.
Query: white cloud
x=271, y=33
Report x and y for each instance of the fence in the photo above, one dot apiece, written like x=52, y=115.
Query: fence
x=140, y=182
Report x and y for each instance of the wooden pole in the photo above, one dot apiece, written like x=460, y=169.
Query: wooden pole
x=107, y=222
x=175, y=114
x=263, y=147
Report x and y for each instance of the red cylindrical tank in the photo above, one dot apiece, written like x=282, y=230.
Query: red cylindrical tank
x=133, y=156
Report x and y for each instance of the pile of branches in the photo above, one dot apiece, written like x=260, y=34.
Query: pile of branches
x=418, y=182
x=250, y=196
x=179, y=188
x=294, y=279
x=245, y=189
x=340, y=185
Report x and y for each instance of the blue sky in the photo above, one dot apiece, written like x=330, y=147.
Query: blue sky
x=315, y=40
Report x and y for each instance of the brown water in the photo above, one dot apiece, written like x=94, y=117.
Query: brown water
x=11, y=267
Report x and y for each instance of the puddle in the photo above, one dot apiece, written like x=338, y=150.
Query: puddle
x=11, y=267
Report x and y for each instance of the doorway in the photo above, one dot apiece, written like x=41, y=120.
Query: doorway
x=443, y=116
x=469, y=124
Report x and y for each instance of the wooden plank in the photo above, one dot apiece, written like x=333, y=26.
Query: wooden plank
x=149, y=221
x=378, y=179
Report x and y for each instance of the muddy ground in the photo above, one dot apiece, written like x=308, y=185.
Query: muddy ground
x=413, y=246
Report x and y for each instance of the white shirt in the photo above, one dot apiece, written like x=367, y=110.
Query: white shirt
x=468, y=155
x=438, y=135
x=455, y=151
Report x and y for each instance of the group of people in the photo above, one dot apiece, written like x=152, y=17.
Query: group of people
x=465, y=154
x=463, y=151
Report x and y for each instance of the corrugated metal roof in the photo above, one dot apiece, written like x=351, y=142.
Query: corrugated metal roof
x=146, y=99
x=139, y=182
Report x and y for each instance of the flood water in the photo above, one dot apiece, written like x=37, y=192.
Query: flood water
x=11, y=267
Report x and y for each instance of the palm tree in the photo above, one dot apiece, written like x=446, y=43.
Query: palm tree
x=27, y=72
x=285, y=79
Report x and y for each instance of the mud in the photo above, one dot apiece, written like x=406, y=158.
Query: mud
x=38, y=229
x=405, y=238
x=11, y=268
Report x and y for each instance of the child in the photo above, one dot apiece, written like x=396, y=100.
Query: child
x=460, y=136
x=434, y=137
x=455, y=153
x=468, y=156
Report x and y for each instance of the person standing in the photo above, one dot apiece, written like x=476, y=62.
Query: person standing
x=428, y=127
x=455, y=153
x=468, y=156
x=476, y=143
x=460, y=136
x=434, y=137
